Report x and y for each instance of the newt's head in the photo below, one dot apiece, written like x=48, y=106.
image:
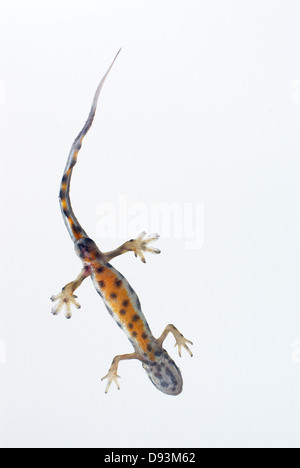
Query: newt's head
x=165, y=375
x=86, y=249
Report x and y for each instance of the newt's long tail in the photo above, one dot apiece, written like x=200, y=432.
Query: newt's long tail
x=75, y=230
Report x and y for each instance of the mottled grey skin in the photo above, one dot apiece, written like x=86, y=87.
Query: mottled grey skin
x=165, y=375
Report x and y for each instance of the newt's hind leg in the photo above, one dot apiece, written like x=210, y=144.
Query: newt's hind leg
x=180, y=339
x=139, y=246
x=112, y=375
x=66, y=297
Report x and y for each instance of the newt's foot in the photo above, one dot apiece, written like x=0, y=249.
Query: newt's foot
x=179, y=338
x=64, y=298
x=112, y=377
x=141, y=245
x=182, y=341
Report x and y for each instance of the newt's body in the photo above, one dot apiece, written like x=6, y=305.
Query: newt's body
x=119, y=297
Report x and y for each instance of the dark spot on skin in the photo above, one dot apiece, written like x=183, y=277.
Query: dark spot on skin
x=164, y=384
x=158, y=375
x=81, y=247
x=66, y=212
x=113, y=295
x=65, y=179
x=102, y=284
x=73, y=162
x=118, y=283
x=122, y=312
x=157, y=353
x=172, y=377
x=76, y=228
x=130, y=326
x=149, y=347
x=78, y=146
x=100, y=269
x=125, y=303
x=62, y=194
x=145, y=336
x=135, y=318
x=134, y=333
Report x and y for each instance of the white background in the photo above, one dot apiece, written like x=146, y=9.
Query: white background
x=201, y=107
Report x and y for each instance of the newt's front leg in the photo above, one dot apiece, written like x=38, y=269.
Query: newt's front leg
x=139, y=246
x=66, y=297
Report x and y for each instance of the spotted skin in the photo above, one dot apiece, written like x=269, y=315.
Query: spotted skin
x=118, y=295
x=124, y=306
